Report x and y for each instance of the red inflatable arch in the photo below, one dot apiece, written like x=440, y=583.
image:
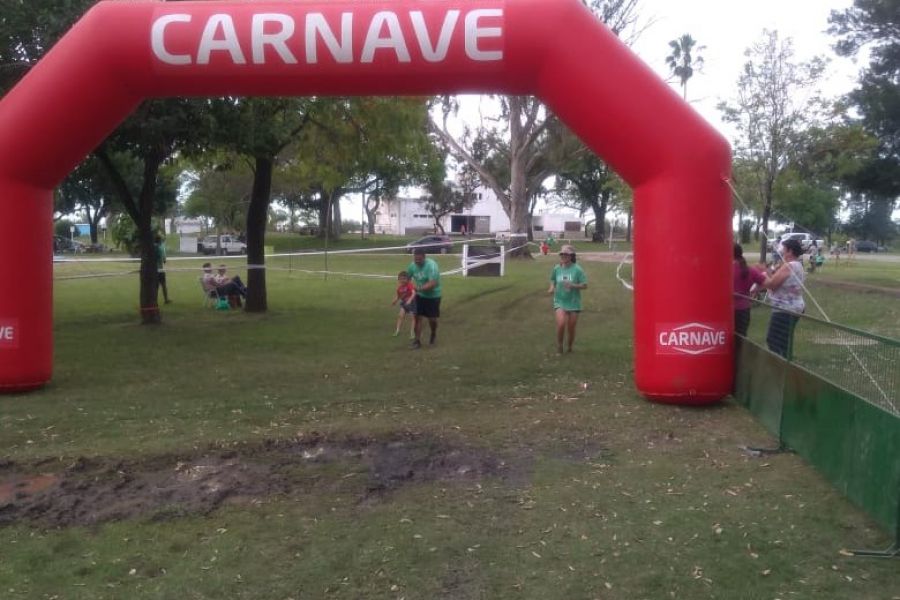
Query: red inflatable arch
x=123, y=52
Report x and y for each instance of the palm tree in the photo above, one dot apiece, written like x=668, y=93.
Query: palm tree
x=681, y=62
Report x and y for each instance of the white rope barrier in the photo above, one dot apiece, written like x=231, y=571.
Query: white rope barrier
x=96, y=275
x=627, y=259
x=192, y=270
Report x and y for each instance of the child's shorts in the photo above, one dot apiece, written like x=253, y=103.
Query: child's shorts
x=409, y=307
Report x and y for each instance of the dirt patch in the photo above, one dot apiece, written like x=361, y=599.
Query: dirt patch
x=27, y=485
x=88, y=492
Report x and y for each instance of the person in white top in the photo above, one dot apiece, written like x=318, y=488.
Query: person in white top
x=785, y=287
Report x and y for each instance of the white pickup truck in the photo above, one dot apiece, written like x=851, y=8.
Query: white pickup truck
x=805, y=239
x=228, y=243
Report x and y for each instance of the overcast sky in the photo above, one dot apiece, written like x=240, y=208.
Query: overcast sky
x=727, y=28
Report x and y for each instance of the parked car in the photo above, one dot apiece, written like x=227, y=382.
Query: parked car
x=866, y=246
x=63, y=244
x=230, y=244
x=432, y=244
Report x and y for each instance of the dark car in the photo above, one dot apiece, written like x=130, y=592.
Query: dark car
x=432, y=244
x=62, y=244
x=866, y=246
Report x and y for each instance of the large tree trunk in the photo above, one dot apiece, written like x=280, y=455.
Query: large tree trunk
x=94, y=222
x=628, y=228
x=371, y=213
x=257, y=215
x=767, y=211
x=141, y=212
x=335, y=216
x=600, y=209
x=149, y=291
x=292, y=220
x=324, y=212
x=518, y=188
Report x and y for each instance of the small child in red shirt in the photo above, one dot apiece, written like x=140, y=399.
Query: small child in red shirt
x=406, y=296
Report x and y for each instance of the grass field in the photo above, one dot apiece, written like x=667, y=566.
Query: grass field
x=307, y=453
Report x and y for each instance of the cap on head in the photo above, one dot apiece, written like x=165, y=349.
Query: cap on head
x=567, y=249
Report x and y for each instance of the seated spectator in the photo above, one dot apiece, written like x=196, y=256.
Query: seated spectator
x=224, y=286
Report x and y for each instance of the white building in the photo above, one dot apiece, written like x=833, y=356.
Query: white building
x=557, y=223
x=408, y=216
x=184, y=225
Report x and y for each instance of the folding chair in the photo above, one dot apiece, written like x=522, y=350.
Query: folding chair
x=210, y=297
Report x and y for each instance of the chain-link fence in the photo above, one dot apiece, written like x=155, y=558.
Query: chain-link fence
x=865, y=364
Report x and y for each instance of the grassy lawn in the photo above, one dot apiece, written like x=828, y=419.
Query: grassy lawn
x=306, y=453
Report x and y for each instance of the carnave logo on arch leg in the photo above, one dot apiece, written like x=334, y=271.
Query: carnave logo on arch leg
x=9, y=334
x=691, y=338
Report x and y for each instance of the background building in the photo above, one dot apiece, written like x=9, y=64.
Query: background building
x=408, y=216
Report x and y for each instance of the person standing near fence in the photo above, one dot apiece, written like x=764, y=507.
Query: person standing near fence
x=745, y=277
x=813, y=256
x=785, y=287
x=159, y=248
x=566, y=282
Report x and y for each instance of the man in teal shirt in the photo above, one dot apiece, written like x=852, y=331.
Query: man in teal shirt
x=425, y=275
x=160, y=248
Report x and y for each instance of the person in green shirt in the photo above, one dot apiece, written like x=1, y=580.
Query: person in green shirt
x=425, y=275
x=566, y=282
x=160, y=249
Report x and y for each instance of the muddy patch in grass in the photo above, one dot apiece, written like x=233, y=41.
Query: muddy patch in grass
x=93, y=491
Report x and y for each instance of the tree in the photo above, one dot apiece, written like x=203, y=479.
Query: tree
x=87, y=188
x=220, y=190
x=828, y=164
x=512, y=155
x=684, y=59
x=871, y=208
x=874, y=25
x=29, y=29
x=259, y=129
x=585, y=182
x=444, y=199
x=503, y=158
x=134, y=157
x=775, y=101
x=391, y=148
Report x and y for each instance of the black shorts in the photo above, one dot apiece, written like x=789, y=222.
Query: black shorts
x=428, y=307
x=409, y=307
x=161, y=277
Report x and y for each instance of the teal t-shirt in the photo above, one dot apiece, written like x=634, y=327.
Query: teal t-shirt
x=564, y=298
x=160, y=256
x=421, y=275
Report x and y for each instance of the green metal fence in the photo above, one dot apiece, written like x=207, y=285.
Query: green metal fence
x=862, y=363
x=830, y=393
